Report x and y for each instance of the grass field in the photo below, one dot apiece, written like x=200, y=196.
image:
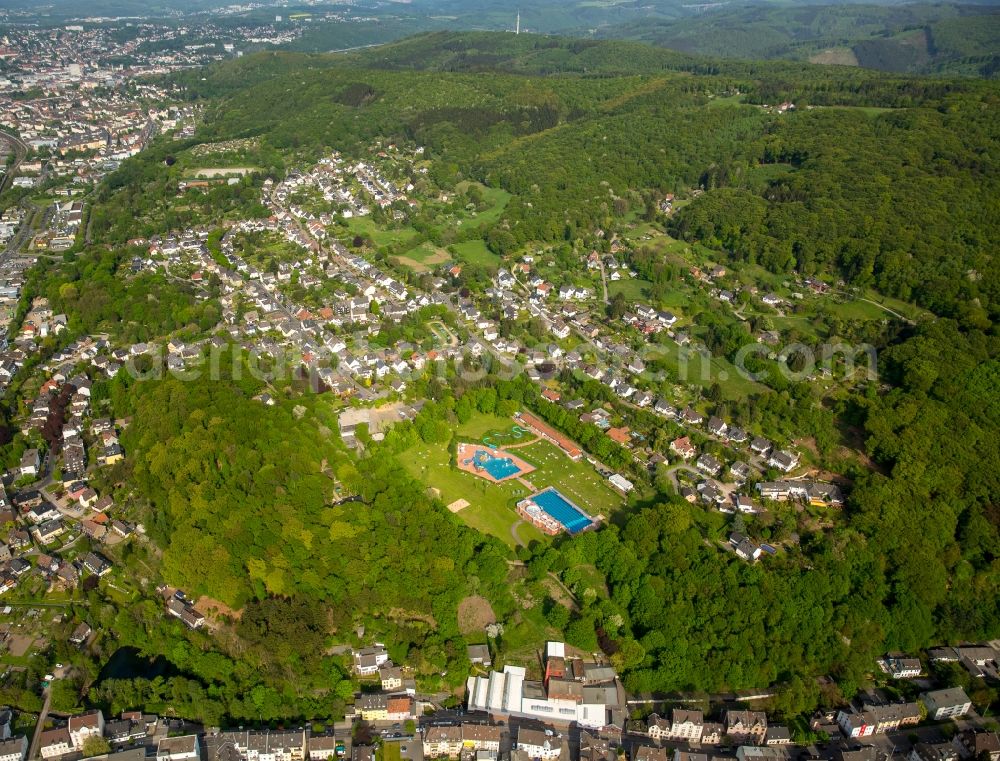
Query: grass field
x=381, y=236
x=479, y=425
x=424, y=257
x=731, y=100
x=633, y=288
x=497, y=199
x=706, y=371
x=576, y=480
x=388, y=752
x=491, y=507
x=428, y=251
x=475, y=252
x=857, y=310
x=905, y=308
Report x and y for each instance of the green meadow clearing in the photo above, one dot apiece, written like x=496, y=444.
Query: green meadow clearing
x=491, y=506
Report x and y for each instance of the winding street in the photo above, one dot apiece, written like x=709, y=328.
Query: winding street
x=672, y=474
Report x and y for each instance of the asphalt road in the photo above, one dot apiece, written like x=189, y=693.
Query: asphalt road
x=42, y=716
x=20, y=151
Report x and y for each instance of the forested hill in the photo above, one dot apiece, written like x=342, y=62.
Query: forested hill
x=883, y=180
x=887, y=182
x=930, y=39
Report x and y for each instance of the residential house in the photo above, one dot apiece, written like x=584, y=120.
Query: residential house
x=368, y=660
x=14, y=748
x=90, y=724
x=48, y=531
x=746, y=727
x=683, y=448
x=265, y=745
x=756, y=753
x=923, y=751
x=55, y=742
x=97, y=564
x=777, y=735
x=783, y=460
x=182, y=748
x=691, y=416
x=685, y=726
x=717, y=426
x=80, y=634
x=949, y=703
x=391, y=677
x=31, y=461
x=973, y=744
x=874, y=719
x=324, y=747
x=712, y=733
x=185, y=612
x=373, y=707
x=901, y=667
x=596, y=748
x=657, y=727
x=399, y=708
x=538, y=745
x=709, y=464
x=649, y=753
x=479, y=655
x=442, y=742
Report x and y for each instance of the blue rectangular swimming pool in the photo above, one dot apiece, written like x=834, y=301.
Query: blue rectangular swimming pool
x=564, y=511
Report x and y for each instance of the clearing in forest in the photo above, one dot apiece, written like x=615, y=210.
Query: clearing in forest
x=474, y=614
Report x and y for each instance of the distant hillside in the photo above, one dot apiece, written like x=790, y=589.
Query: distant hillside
x=928, y=39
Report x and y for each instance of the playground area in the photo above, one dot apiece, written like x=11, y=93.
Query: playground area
x=495, y=465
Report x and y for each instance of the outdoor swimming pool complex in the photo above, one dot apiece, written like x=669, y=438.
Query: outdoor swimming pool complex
x=498, y=467
x=562, y=510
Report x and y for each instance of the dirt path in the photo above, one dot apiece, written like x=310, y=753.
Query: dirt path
x=521, y=444
x=883, y=307
x=515, y=536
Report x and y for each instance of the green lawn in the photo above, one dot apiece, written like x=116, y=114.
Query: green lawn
x=905, y=308
x=704, y=373
x=381, y=236
x=491, y=506
x=480, y=424
x=857, y=310
x=388, y=752
x=577, y=480
x=729, y=100
x=633, y=288
x=475, y=252
x=497, y=199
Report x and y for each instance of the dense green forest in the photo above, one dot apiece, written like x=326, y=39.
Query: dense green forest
x=883, y=181
x=930, y=39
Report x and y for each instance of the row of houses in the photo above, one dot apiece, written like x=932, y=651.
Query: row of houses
x=737, y=727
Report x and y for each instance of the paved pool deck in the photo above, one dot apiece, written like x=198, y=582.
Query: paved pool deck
x=466, y=456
